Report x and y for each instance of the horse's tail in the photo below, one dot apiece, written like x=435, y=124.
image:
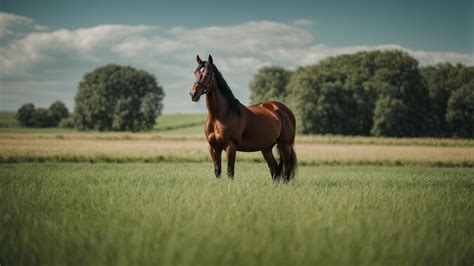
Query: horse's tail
x=293, y=163
x=286, y=143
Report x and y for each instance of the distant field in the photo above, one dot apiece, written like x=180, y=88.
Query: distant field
x=181, y=138
x=153, y=147
x=7, y=119
x=178, y=214
x=181, y=123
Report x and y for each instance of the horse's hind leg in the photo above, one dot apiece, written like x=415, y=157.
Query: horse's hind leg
x=288, y=158
x=272, y=164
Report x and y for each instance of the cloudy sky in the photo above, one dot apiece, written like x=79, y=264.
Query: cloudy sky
x=47, y=46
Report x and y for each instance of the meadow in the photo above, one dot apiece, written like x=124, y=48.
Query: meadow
x=91, y=198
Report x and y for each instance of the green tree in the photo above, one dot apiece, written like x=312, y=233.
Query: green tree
x=42, y=118
x=397, y=76
x=123, y=117
x=339, y=95
x=387, y=114
x=442, y=80
x=58, y=111
x=460, y=111
x=24, y=115
x=269, y=84
x=115, y=97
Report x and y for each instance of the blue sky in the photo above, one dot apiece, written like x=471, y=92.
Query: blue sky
x=46, y=46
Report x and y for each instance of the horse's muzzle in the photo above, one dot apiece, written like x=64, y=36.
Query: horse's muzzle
x=195, y=96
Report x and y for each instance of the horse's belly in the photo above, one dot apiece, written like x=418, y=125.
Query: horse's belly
x=260, y=133
x=248, y=144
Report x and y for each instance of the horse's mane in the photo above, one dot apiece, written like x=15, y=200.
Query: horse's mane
x=226, y=91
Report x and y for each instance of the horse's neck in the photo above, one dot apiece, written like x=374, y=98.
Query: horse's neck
x=217, y=105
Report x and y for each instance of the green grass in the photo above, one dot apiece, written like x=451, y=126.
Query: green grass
x=8, y=120
x=115, y=209
x=181, y=123
x=178, y=214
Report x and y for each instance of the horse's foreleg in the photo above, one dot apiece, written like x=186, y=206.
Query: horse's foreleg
x=230, y=151
x=216, y=157
x=271, y=162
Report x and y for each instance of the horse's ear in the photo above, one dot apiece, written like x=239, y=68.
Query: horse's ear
x=198, y=59
x=210, y=60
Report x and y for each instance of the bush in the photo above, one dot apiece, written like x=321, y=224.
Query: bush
x=460, y=111
x=269, y=84
x=116, y=97
x=67, y=122
x=24, y=115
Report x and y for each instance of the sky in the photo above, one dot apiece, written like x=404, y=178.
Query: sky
x=47, y=46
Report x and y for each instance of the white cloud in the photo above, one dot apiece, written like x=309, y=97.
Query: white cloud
x=11, y=24
x=8, y=20
x=238, y=50
x=28, y=54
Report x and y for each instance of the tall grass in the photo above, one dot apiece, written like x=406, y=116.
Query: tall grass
x=178, y=214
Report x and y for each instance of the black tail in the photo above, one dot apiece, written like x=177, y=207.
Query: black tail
x=293, y=165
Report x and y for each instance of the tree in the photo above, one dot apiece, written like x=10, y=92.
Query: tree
x=42, y=118
x=339, y=95
x=397, y=76
x=123, y=116
x=269, y=84
x=387, y=115
x=24, y=115
x=115, y=97
x=58, y=111
x=442, y=80
x=460, y=111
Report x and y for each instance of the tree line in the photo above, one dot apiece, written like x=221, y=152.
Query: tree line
x=379, y=93
x=30, y=116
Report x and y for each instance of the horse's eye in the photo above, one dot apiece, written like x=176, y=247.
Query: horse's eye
x=202, y=70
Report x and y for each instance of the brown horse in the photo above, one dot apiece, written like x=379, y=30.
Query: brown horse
x=233, y=127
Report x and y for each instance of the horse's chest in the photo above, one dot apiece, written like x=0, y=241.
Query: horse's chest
x=218, y=134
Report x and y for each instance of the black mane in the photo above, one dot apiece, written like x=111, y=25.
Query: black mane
x=225, y=90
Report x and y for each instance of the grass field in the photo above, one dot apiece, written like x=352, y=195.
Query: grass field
x=177, y=214
x=153, y=147
x=94, y=198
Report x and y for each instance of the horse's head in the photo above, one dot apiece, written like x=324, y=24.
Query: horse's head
x=204, y=76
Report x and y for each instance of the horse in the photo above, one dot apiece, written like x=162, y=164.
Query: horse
x=232, y=126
